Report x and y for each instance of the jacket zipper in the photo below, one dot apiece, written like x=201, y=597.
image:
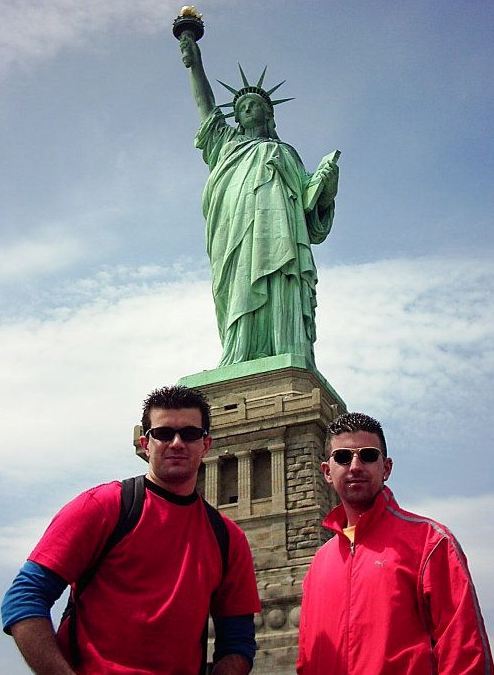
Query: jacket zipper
x=349, y=594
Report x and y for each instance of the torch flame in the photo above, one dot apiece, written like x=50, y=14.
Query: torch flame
x=190, y=10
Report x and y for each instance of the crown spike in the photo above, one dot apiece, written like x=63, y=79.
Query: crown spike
x=275, y=88
x=251, y=89
x=227, y=86
x=283, y=100
x=261, y=79
x=228, y=115
x=244, y=79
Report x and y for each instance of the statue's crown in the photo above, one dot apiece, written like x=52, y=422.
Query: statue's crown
x=252, y=89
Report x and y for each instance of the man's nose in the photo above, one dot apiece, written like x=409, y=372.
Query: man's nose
x=177, y=440
x=355, y=463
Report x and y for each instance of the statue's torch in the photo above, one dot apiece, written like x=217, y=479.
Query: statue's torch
x=189, y=19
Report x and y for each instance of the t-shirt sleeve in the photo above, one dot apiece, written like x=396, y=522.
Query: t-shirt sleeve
x=77, y=534
x=32, y=594
x=237, y=594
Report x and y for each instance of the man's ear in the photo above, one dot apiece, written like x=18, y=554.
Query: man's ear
x=388, y=467
x=208, y=441
x=327, y=473
x=144, y=442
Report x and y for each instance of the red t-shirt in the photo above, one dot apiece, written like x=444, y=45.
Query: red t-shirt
x=145, y=610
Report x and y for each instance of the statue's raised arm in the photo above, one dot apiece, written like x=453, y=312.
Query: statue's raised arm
x=192, y=59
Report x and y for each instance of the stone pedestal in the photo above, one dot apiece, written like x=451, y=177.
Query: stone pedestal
x=269, y=425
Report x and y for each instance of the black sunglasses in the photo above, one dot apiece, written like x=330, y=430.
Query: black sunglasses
x=365, y=455
x=187, y=434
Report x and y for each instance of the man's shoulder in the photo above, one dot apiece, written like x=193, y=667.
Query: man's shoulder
x=103, y=490
x=103, y=494
x=416, y=521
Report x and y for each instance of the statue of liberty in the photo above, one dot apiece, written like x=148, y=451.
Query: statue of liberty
x=263, y=211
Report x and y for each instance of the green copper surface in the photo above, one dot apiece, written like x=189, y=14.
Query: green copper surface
x=256, y=367
x=260, y=224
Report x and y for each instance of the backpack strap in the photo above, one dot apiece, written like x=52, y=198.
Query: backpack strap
x=221, y=532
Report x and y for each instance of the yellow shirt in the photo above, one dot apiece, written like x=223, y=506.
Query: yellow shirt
x=350, y=532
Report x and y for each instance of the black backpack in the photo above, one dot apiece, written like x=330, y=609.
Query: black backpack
x=131, y=504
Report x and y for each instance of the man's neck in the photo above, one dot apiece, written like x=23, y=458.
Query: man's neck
x=183, y=489
x=353, y=513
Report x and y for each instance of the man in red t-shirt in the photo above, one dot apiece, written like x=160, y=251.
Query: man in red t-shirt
x=145, y=610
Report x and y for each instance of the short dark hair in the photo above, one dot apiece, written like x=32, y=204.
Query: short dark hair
x=173, y=398
x=355, y=421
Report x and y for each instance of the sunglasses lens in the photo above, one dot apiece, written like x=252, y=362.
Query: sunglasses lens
x=369, y=455
x=167, y=434
x=163, y=433
x=342, y=456
x=188, y=434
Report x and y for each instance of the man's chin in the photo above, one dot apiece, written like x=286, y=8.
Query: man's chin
x=359, y=497
x=178, y=476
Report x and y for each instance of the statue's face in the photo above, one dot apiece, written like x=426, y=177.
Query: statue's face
x=251, y=111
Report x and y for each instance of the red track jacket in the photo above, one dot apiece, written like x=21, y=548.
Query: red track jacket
x=399, y=602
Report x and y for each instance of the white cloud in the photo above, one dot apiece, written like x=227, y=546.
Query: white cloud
x=58, y=246
x=407, y=331
x=51, y=250
x=33, y=30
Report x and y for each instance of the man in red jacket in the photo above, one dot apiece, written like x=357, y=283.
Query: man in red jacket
x=391, y=593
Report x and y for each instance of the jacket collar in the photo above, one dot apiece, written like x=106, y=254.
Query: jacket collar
x=336, y=519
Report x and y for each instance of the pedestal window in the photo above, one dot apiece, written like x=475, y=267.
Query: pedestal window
x=228, y=474
x=261, y=471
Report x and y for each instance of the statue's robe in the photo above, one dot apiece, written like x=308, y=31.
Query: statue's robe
x=258, y=241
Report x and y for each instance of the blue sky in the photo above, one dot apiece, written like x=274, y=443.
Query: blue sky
x=105, y=281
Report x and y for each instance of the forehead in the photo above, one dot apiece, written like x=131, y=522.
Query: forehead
x=181, y=417
x=355, y=439
x=249, y=97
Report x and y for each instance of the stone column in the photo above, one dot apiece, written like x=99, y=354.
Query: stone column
x=211, y=480
x=244, y=482
x=278, y=476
